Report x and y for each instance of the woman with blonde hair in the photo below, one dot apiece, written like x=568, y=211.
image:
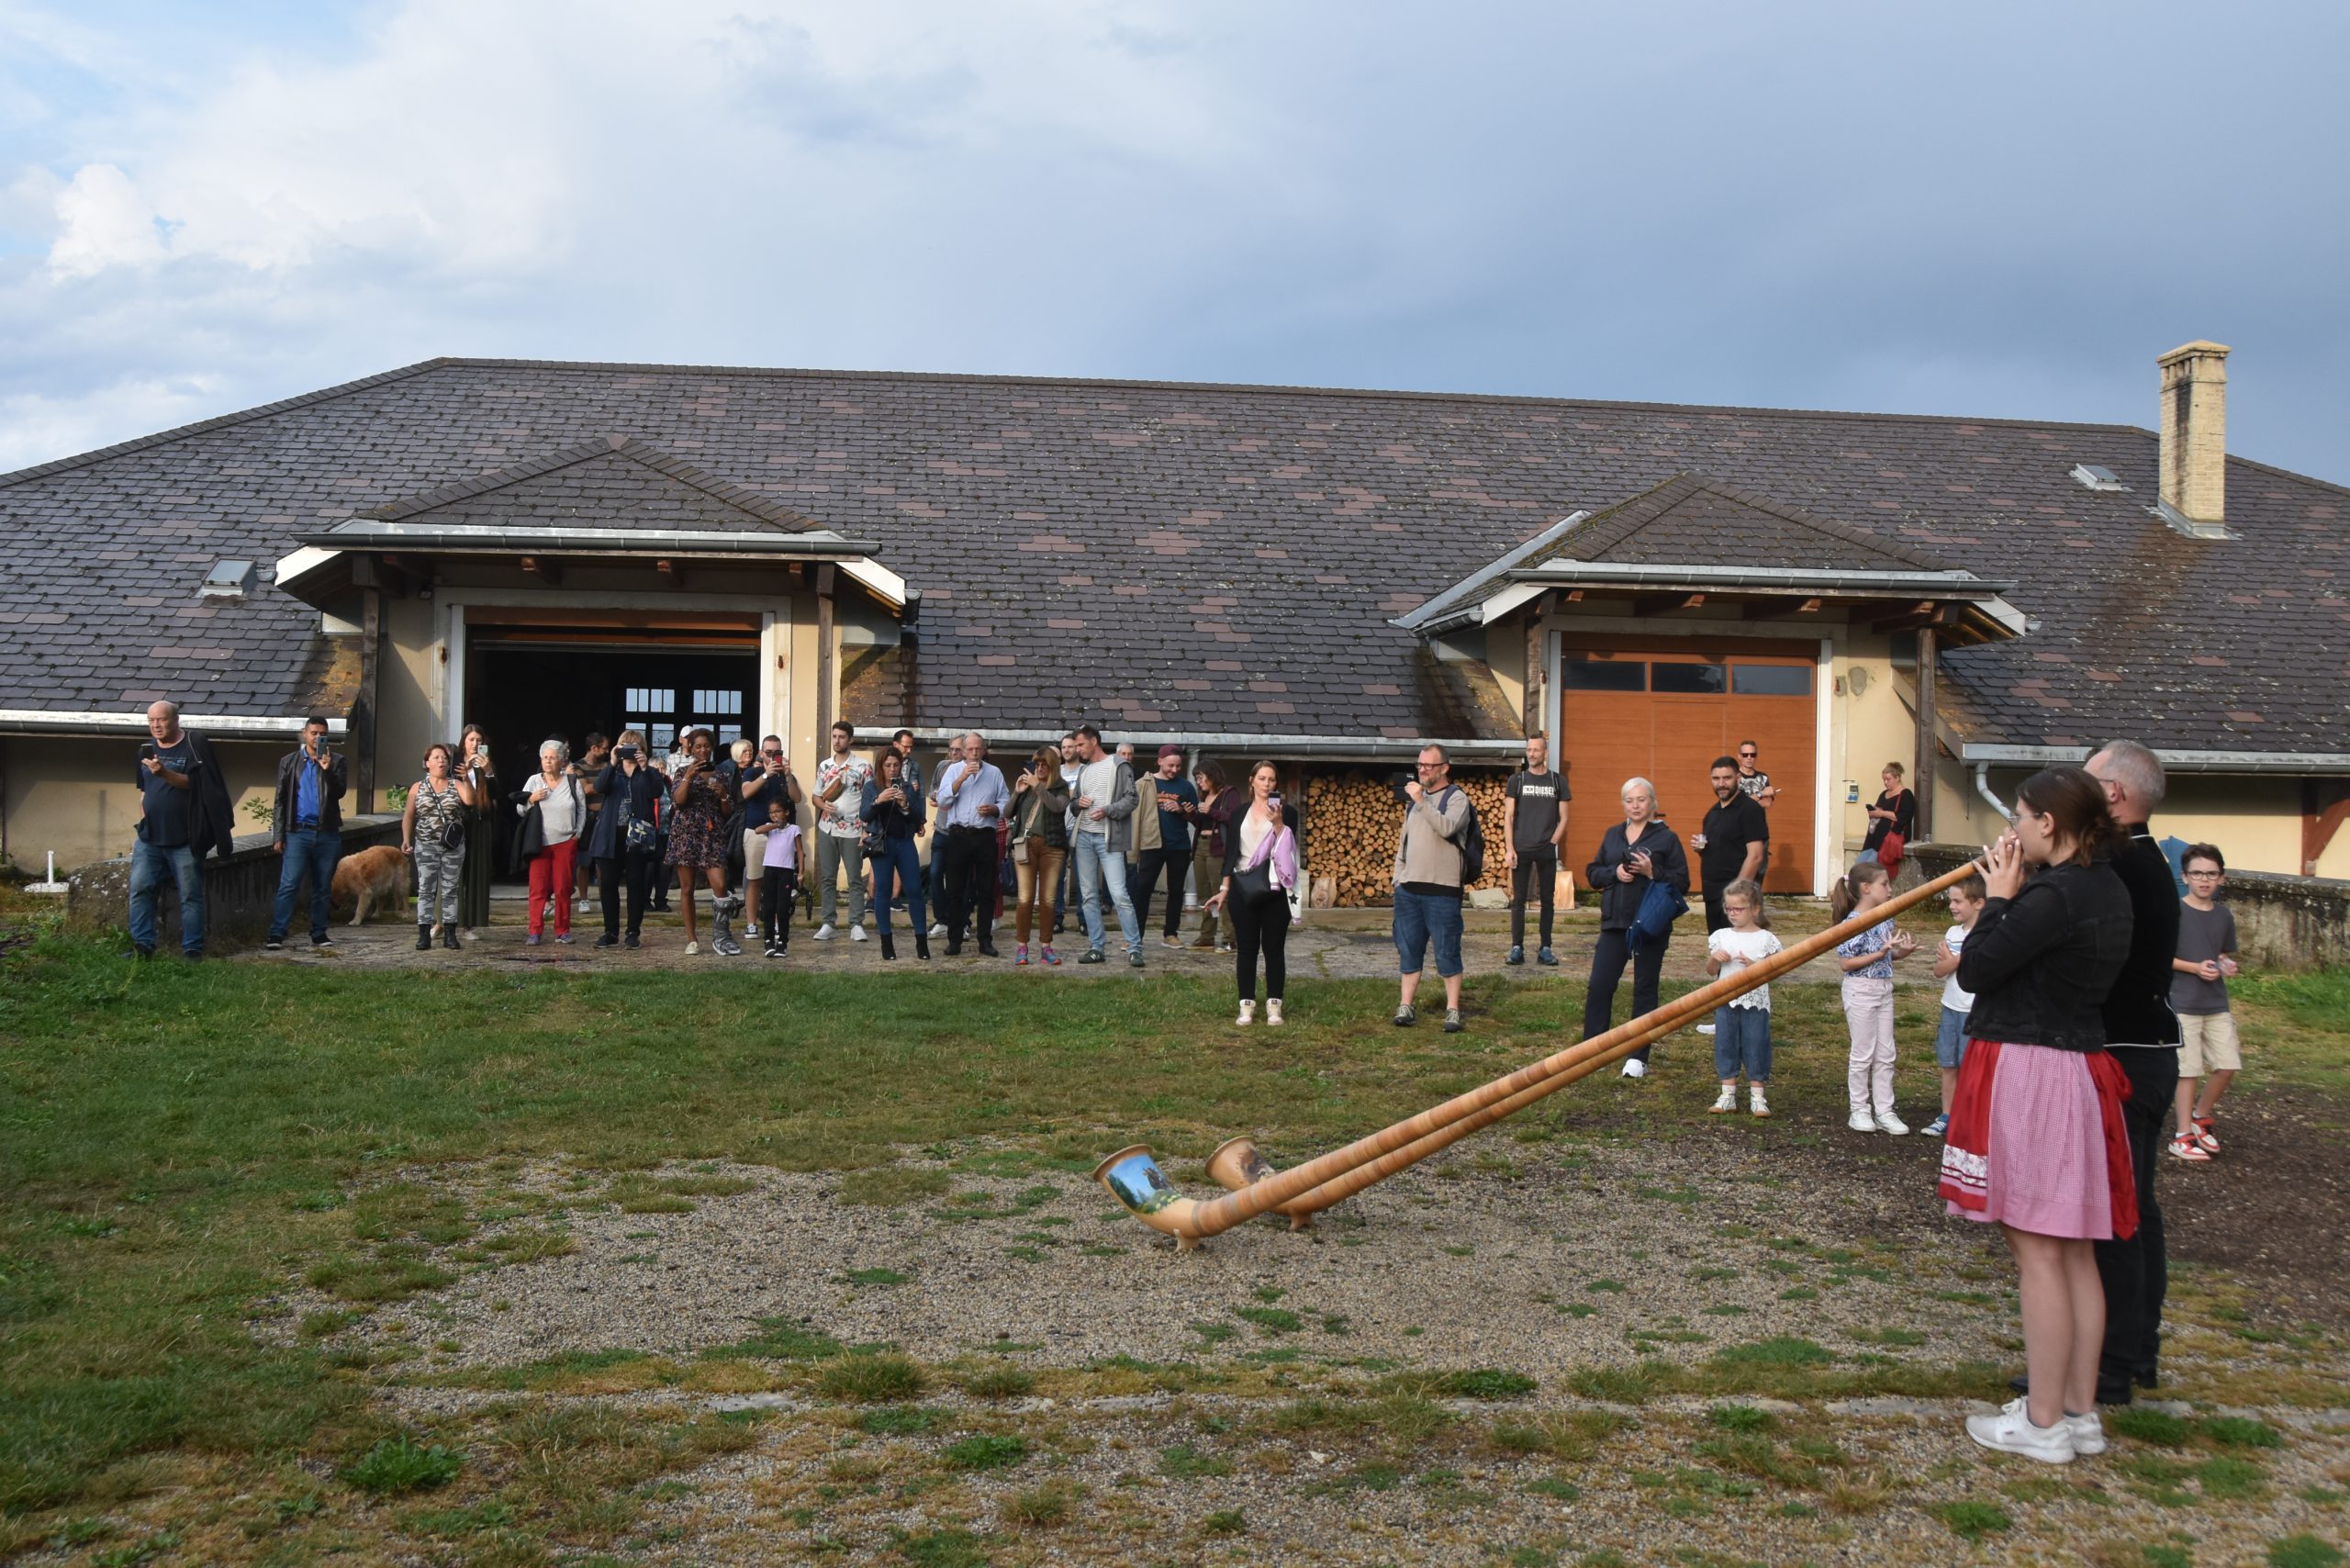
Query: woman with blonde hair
x=1039, y=849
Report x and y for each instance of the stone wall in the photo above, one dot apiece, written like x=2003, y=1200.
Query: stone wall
x=239, y=890
x=2284, y=922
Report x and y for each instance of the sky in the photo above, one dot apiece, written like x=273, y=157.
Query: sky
x=1994, y=210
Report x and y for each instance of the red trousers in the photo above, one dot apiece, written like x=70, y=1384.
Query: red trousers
x=550, y=874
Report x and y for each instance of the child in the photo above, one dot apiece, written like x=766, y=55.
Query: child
x=1867, y=961
x=1743, y=1025
x=1950, y=1042
x=2198, y=994
x=780, y=880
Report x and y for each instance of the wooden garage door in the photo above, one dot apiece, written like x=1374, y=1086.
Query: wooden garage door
x=1663, y=712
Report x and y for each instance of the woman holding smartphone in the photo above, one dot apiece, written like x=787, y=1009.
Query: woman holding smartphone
x=625, y=842
x=1207, y=852
x=894, y=816
x=1635, y=853
x=1259, y=869
x=699, y=809
x=1039, y=849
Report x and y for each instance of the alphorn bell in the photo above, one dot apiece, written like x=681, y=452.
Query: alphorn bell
x=1133, y=1177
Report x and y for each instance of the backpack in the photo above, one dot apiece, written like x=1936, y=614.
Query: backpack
x=1471, y=842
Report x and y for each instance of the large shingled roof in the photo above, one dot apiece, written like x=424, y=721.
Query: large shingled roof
x=1201, y=558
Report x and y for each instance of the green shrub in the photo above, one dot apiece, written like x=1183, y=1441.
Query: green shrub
x=1002, y=1382
x=1487, y=1383
x=1972, y=1519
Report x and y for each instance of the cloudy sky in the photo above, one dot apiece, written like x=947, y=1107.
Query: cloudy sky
x=1990, y=210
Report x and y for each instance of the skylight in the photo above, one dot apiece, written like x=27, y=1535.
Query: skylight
x=228, y=579
x=2089, y=476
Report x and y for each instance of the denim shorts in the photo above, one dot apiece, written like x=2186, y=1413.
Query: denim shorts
x=1949, y=1041
x=1420, y=917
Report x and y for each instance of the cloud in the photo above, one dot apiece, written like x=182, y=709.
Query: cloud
x=103, y=221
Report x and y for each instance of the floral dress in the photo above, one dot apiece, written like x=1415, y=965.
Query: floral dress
x=697, y=829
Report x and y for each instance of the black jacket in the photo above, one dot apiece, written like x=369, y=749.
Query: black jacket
x=282, y=814
x=2039, y=964
x=2137, y=1010
x=1232, y=835
x=1619, y=903
x=646, y=789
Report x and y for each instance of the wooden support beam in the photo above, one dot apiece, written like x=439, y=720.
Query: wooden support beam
x=672, y=575
x=1574, y=596
x=2325, y=805
x=363, y=707
x=826, y=660
x=1922, y=782
x=546, y=571
x=1924, y=613
x=1537, y=668
x=1665, y=604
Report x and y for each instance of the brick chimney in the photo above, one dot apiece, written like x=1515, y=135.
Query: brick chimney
x=2194, y=431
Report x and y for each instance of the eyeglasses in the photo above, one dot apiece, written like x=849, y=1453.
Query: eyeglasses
x=2202, y=874
x=1425, y=765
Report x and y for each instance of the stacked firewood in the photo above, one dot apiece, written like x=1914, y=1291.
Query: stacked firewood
x=1351, y=818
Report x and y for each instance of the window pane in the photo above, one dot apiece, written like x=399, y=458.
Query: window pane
x=663, y=734
x=728, y=735
x=1772, y=680
x=1601, y=675
x=1698, y=678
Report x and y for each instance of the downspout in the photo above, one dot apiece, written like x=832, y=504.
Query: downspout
x=1983, y=787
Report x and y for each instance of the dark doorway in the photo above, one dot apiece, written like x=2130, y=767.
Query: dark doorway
x=525, y=692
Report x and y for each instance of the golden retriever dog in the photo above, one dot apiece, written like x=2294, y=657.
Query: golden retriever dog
x=365, y=877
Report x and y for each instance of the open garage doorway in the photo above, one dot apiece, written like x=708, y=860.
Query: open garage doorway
x=526, y=682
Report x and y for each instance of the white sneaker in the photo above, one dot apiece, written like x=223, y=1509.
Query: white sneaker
x=692, y=949
x=1758, y=1102
x=856, y=934
x=1704, y=1028
x=937, y=929
x=1859, y=1121
x=2011, y=1431
x=1887, y=1122
x=1726, y=1100
x=2089, y=1434
x=1273, y=1010
x=824, y=932
x=1635, y=1067
x=1248, y=1014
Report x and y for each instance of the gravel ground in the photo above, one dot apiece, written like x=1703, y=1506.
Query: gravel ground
x=1548, y=1267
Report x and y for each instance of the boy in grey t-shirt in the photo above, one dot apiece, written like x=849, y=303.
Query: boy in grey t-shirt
x=2208, y=1055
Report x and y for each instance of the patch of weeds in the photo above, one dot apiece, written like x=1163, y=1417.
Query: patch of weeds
x=1487, y=1383
x=1184, y=1463
x=1025, y=1254
x=2228, y=1479
x=1726, y=1309
x=1907, y=1338
x=1361, y=1478
x=1216, y=1333
x=944, y=1548
x=1573, y=1436
x=389, y=1275
x=1741, y=1419
x=1781, y=1351
x=1579, y=1309
x=1621, y=1385
x=2142, y=1424
x=1271, y=1319
x=531, y=1244
x=1039, y=1508
x=2238, y=1432
x=1598, y=1286
x=402, y=1464
x=637, y=1196
x=2302, y=1552
x=891, y=1186
x=1559, y=1491
x=1715, y=1274
x=988, y=1451
x=779, y=1339
x=1337, y=1325
x=1269, y=1293
x=1225, y=1522
x=871, y=1379
x=874, y=1277
x=318, y=1324
x=492, y=1515
x=1001, y=1382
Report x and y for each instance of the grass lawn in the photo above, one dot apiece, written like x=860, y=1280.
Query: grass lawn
x=181, y=1146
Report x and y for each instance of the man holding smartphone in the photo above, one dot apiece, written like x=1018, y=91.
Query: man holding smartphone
x=766, y=781
x=307, y=819
x=172, y=822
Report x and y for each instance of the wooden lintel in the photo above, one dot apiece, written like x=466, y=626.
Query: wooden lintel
x=672, y=575
x=1917, y=618
x=1665, y=604
x=546, y=571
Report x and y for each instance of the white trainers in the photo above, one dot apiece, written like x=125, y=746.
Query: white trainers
x=1272, y=1009
x=2011, y=1431
x=937, y=929
x=2089, y=1434
x=692, y=949
x=1248, y=1014
x=1635, y=1067
x=1759, y=1103
x=1887, y=1122
x=1859, y=1121
x=1726, y=1100
x=856, y=934
x=824, y=932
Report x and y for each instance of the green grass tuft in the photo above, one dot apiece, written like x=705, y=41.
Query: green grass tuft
x=985, y=1451
x=874, y=1379
x=1972, y=1519
x=402, y=1464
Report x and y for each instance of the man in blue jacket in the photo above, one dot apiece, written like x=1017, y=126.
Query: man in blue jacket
x=307, y=818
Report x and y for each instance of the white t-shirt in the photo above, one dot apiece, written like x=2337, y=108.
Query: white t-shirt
x=1096, y=781
x=1952, y=998
x=1744, y=947
x=783, y=846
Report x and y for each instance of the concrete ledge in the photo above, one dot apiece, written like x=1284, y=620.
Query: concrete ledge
x=240, y=888
x=2284, y=922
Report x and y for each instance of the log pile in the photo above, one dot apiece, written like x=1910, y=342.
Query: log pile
x=1350, y=819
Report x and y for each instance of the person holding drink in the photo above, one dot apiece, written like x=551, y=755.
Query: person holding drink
x=1039, y=850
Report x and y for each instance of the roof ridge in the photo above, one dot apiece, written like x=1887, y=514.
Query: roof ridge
x=219, y=421
x=644, y=454
x=665, y=462
x=1619, y=522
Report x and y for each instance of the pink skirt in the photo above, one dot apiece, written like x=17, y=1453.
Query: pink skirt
x=2033, y=1133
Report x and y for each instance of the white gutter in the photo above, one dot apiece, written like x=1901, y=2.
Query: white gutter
x=1276, y=745
x=232, y=727
x=1758, y=576
x=1983, y=787
x=2302, y=763
x=1458, y=594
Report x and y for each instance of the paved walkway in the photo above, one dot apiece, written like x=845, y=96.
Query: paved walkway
x=1351, y=944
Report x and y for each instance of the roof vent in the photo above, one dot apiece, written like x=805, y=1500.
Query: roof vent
x=2089, y=476
x=228, y=579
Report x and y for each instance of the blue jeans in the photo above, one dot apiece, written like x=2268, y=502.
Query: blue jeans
x=148, y=865
x=897, y=858
x=1098, y=864
x=1420, y=917
x=1743, y=1037
x=311, y=852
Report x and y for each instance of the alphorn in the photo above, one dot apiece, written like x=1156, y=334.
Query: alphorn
x=1133, y=1177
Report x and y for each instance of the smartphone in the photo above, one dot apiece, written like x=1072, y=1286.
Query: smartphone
x=147, y=751
x=625, y=753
